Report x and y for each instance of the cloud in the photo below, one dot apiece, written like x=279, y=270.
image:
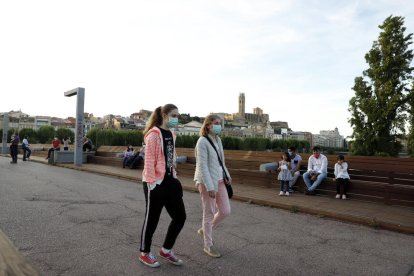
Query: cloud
x=198, y=54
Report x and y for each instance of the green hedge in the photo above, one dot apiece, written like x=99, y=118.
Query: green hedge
x=111, y=137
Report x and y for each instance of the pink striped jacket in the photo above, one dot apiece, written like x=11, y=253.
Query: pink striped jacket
x=154, y=162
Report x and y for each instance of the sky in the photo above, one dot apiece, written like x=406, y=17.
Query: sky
x=295, y=59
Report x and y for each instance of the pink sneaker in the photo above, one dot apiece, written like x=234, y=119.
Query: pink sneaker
x=149, y=260
x=170, y=256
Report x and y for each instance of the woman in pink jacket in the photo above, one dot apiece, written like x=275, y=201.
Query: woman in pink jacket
x=161, y=186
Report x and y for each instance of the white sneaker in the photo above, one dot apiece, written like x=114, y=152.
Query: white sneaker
x=338, y=196
x=281, y=193
x=287, y=194
x=200, y=231
x=343, y=196
x=212, y=251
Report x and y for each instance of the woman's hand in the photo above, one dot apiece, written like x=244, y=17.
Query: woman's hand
x=212, y=194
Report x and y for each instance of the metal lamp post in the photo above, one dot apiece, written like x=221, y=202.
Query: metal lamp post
x=80, y=101
x=5, y=130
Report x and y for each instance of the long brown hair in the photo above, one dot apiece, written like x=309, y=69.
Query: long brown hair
x=207, y=122
x=156, y=117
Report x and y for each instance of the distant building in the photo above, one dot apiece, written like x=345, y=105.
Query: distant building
x=191, y=128
x=42, y=121
x=301, y=135
x=329, y=138
x=242, y=119
x=140, y=124
x=141, y=115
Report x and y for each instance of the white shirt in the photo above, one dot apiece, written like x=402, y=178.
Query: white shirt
x=319, y=165
x=25, y=142
x=341, y=170
x=66, y=143
x=292, y=161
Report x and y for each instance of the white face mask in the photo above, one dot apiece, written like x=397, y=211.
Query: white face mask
x=216, y=129
x=172, y=121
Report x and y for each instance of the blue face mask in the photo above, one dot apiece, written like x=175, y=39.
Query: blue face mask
x=216, y=129
x=172, y=121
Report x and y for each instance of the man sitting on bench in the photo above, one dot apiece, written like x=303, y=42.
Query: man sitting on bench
x=87, y=144
x=317, y=171
x=133, y=161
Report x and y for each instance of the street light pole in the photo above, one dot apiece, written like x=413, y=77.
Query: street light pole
x=80, y=101
x=4, y=149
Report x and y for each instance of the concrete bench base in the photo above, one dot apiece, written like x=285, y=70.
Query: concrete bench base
x=67, y=157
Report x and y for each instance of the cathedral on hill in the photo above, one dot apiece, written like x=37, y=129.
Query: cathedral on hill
x=242, y=118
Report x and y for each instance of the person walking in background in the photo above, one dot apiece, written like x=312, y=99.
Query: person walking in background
x=317, y=171
x=55, y=146
x=14, y=148
x=341, y=177
x=284, y=176
x=209, y=178
x=66, y=141
x=295, y=163
x=26, y=149
x=161, y=186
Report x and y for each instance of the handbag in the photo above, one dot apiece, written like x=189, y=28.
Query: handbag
x=226, y=179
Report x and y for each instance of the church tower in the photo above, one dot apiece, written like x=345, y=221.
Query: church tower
x=242, y=103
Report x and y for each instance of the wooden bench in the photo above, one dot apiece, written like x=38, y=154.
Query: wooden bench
x=379, y=186
x=112, y=156
x=378, y=179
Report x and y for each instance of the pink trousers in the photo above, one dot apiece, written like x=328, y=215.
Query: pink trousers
x=214, y=210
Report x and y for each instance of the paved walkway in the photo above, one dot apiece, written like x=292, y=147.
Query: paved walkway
x=377, y=215
x=70, y=222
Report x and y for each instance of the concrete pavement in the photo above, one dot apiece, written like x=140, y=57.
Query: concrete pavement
x=377, y=215
x=69, y=222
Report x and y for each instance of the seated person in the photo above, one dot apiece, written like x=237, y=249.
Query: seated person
x=295, y=162
x=341, y=177
x=317, y=171
x=87, y=144
x=127, y=155
x=26, y=149
x=134, y=161
x=55, y=146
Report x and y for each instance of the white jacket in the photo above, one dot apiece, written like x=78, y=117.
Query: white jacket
x=341, y=171
x=208, y=170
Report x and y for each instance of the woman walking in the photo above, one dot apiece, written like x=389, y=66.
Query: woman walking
x=161, y=186
x=210, y=174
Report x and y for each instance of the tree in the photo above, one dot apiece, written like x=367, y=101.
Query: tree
x=30, y=133
x=381, y=102
x=62, y=132
x=410, y=137
x=45, y=134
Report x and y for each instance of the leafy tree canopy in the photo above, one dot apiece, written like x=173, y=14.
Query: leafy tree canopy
x=379, y=110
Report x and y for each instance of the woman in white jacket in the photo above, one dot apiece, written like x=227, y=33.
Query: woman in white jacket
x=209, y=178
